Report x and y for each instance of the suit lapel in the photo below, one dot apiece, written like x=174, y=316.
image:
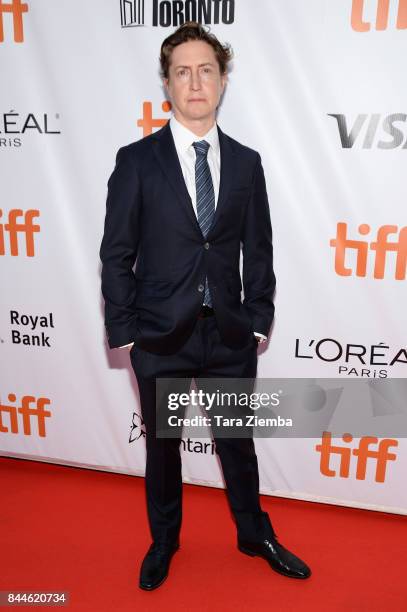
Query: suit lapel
x=167, y=156
x=227, y=171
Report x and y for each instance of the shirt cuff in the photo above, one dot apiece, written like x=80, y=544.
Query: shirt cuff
x=262, y=337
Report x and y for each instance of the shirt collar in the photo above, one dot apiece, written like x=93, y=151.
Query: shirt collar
x=183, y=137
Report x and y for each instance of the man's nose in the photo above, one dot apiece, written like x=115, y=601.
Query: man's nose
x=195, y=82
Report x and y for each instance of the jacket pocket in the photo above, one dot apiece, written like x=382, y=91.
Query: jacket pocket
x=234, y=284
x=153, y=288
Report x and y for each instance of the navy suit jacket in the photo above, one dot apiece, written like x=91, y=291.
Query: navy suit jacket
x=155, y=258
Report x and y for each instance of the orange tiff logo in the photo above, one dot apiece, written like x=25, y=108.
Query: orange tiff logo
x=363, y=452
x=21, y=415
x=16, y=8
x=382, y=15
x=148, y=122
x=381, y=246
x=12, y=228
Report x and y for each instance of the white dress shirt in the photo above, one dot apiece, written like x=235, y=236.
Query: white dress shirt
x=183, y=139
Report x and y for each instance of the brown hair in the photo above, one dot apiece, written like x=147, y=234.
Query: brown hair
x=192, y=30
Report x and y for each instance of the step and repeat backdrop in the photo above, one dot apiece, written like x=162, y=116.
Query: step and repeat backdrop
x=317, y=88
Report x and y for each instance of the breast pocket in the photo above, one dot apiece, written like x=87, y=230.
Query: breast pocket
x=240, y=193
x=237, y=203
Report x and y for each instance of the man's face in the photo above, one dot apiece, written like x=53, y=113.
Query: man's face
x=194, y=82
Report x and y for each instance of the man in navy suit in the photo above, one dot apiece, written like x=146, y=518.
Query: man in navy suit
x=181, y=205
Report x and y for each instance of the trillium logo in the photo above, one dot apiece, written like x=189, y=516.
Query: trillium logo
x=137, y=429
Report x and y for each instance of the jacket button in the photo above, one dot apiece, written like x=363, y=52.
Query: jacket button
x=206, y=245
x=201, y=288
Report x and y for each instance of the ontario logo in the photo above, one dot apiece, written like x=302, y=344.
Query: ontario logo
x=138, y=432
x=166, y=13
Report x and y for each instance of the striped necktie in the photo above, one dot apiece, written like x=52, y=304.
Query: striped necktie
x=205, y=197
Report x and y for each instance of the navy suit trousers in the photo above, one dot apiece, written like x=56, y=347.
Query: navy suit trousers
x=203, y=355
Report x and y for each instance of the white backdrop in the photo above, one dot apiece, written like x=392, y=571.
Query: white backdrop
x=316, y=87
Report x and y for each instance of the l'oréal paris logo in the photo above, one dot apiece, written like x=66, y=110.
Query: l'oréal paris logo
x=352, y=359
x=14, y=126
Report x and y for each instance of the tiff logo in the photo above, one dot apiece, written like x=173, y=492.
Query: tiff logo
x=26, y=411
x=381, y=246
x=382, y=15
x=28, y=228
x=363, y=452
x=132, y=13
x=16, y=8
x=148, y=122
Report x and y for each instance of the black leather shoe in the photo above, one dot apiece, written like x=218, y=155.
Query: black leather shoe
x=280, y=559
x=155, y=566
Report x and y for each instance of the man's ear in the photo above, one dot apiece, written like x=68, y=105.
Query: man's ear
x=165, y=83
x=224, y=81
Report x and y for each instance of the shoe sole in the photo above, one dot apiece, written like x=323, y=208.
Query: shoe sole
x=148, y=588
x=250, y=553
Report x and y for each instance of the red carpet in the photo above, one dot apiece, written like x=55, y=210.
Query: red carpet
x=86, y=532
